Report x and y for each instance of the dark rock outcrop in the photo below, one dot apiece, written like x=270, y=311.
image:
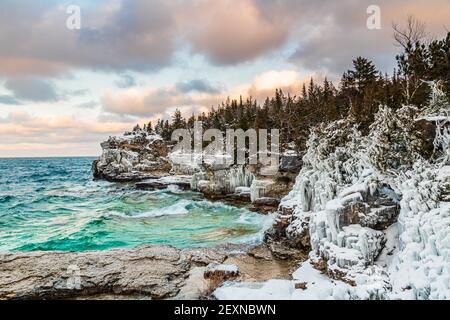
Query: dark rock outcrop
x=287, y=246
x=265, y=204
x=182, y=182
x=290, y=163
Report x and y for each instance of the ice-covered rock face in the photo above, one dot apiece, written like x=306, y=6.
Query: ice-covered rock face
x=422, y=270
x=222, y=181
x=346, y=201
x=136, y=155
x=343, y=238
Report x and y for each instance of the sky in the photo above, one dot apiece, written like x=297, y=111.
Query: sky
x=64, y=90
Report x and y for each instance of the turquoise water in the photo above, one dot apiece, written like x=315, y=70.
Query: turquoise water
x=53, y=204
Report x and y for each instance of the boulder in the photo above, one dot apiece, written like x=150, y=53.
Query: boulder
x=291, y=163
x=222, y=272
x=265, y=205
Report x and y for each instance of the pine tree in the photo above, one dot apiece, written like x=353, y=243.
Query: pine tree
x=304, y=92
x=191, y=122
x=137, y=128
x=149, y=127
x=364, y=73
x=393, y=142
x=178, y=121
x=166, y=131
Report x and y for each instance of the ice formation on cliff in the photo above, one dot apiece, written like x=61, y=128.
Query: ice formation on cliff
x=132, y=156
x=377, y=212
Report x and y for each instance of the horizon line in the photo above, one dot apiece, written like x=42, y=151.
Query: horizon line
x=45, y=157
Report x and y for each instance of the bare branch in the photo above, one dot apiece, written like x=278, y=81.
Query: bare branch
x=415, y=31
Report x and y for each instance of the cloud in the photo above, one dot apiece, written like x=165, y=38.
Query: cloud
x=8, y=99
x=87, y=105
x=140, y=35
x=197, y=85
x=78, y=92
x=265, y=84
x=32, y=89
x=231, y=32
x=114, y=35
x=149, y=102
x=137, y=35
x=164, y=100
x=117, y=118
x=332, y=33
x=25, y=134
x=13, y=66
x=125, y=81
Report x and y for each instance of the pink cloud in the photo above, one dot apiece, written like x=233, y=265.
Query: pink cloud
x=232, y=31
x=161, y=102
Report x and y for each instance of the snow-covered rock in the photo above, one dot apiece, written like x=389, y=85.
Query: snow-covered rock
x=260, y=188
x=134, y=156
x=308, y=284
x=422, y=266
x=348, y=197
x=221, y=272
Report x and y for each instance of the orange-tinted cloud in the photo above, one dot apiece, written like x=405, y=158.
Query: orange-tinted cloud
x=21, y=128
x=143, y=35
x=163, y=101
x=230, y=32
x=27, y=66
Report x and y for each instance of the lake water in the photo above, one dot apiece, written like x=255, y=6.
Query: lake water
x=54, y=204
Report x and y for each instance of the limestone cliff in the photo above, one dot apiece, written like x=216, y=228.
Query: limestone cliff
x=135, y=156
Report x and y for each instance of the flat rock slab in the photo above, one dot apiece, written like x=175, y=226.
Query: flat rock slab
x=182, y=182
x=151, y=271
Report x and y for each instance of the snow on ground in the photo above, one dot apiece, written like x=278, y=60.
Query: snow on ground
x=138, y=133
x=269, y=290
x=316, y=286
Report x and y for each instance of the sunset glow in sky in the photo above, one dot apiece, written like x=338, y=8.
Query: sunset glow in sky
x=64, y=91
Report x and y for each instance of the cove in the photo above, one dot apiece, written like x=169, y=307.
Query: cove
x=54, y=204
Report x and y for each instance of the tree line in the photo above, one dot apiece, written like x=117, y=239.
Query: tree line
x=360, y=93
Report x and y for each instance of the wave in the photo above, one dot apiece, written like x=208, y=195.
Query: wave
x=57, y=206
x=5, y=199
x=180, y=208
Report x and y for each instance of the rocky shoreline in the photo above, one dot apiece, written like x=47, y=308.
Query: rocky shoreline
x=367, y=222
x=142, y=157
x=152, y=271
x=146, y=159
x=145, y=272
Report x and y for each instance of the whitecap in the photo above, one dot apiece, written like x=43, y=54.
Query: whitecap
x=179, y=208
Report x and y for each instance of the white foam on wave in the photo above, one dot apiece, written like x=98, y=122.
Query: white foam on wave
x=178, y=208
x=264, y=221
x=173, y=188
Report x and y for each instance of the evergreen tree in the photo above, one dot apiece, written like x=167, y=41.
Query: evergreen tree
x=393, y=142
x=361, y=92
x=137, y=128
x=149, y=127
x=178, y=121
